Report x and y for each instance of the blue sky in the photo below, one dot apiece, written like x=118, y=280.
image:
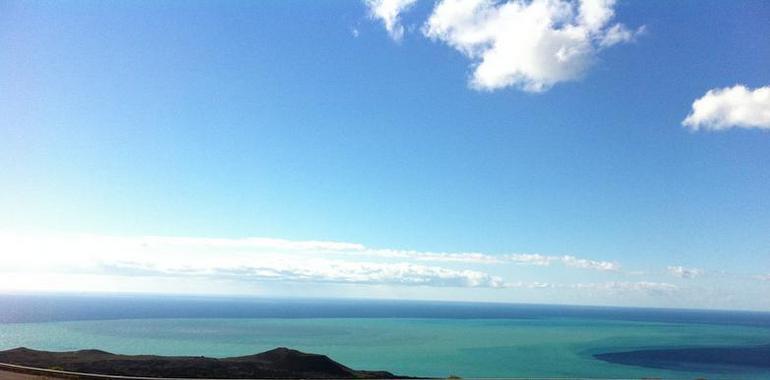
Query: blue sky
x=310, y=121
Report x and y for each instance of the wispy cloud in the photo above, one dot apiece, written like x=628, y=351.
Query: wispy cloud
x=534, y=259
x=569, y=261
x=266, y=259
x=317, y=271
x=575, y=262
x=682, y=272
x=609, y=287
x=389, y=12
x=653, y=288
x=246, y=243
x=531, y=259
x=267, y=263
x=462, y=257
x=731, y=107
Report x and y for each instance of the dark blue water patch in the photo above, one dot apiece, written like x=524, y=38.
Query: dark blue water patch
x=701, y=359
x=16, y=308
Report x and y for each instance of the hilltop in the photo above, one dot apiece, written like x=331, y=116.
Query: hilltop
x=281, y=362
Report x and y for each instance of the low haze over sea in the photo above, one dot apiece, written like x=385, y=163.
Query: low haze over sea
x=406, y=337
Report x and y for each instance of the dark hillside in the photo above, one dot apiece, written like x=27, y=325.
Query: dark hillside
x=277, y=363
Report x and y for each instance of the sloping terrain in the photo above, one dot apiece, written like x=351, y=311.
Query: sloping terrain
x=281, y=363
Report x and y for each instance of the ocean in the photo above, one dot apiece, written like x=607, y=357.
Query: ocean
x=413, y=338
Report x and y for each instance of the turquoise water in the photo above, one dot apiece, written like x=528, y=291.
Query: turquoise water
x=537, y=347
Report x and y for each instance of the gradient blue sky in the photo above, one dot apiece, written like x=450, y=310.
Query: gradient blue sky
x=303, y=121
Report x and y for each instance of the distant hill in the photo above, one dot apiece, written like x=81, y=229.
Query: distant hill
x=281, y=363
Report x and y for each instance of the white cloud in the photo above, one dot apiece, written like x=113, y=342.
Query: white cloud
x=249, y=243
x=531, y=285
x=652, y=288
x=531, y=259
x=682, y=272
x=534, y=259
x=575, y=262
x=315, y=270
x=247, y=259
x=619, y=34
x=731, y=107
x=473, y=257
x=569, y=261
x=530, y=45
x=389, y=12
x=266, y=259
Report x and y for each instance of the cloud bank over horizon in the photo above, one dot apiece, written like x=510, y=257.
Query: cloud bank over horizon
x=527, y=45
x=268, y=259
x=270, y=266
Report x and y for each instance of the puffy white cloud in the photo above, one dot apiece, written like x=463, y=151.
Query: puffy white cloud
x=682, y=272
x=389, y=12
x=731, y=107
x=530, y=45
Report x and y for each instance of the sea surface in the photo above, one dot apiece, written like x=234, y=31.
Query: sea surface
x=408, y=338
